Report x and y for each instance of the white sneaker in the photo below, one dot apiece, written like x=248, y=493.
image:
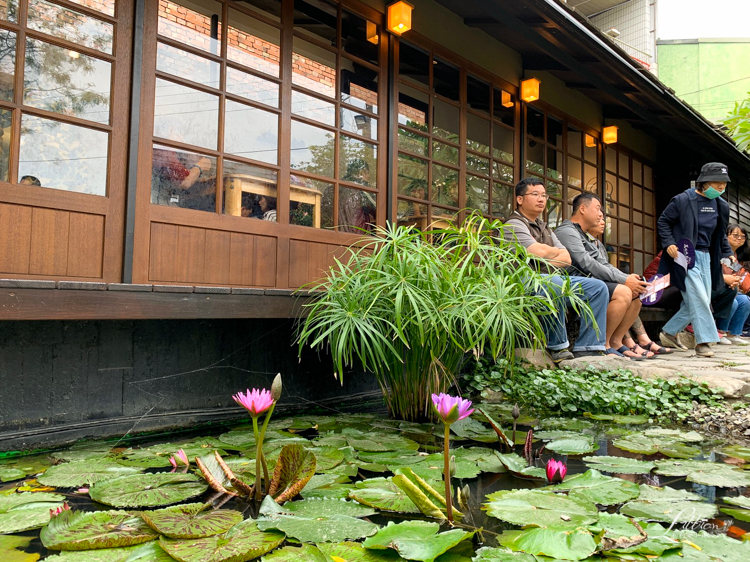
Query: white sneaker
x=737, y=340
x=725, y=341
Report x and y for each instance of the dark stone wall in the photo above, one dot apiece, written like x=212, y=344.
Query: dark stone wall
x=63, y=380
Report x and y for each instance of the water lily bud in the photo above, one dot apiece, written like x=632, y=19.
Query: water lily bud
x=516, y=412
x=452, y=466
x=276, y=387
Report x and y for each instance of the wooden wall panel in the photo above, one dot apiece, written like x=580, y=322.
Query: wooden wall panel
x=309, y=261
x=15, y=234
x=50, y=231
x=265, y=261
x=85, y=245
x=191, y=255
x=163, y=252
x=218, y=256
x=241, y=259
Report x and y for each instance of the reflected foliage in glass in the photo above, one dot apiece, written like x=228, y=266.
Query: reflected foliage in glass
x=477, y=193
x=311, y=202
x=444, y=190
x=70, y=25
x=412, y=177
x=312, y=149
x=5, y=143
x=7, y=64
x=358, y=161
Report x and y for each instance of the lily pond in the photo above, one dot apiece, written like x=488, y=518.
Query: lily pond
x=365, y=488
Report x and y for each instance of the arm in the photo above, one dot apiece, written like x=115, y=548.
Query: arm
x=558, y=256
x=571, y=239
x=516, y=231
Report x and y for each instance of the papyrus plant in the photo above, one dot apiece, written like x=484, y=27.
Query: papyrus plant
x=408, y=307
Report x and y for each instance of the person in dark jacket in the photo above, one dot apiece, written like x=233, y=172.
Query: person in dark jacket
x=701, y=216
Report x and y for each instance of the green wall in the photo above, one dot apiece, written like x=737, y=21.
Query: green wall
x=698, y=70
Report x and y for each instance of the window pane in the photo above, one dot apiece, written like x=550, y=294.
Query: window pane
x=478, y=164
x=554, y=190
x=637, y=236
x=198, y=26
x=502, y=172
x=534, y=123
x=360, y=37
x=590, y=178
x=638, y=197
x=637, y=172
x=624, y=264
x=412, y=142
x=554, y=132
x=589, y=152
x=648, y=178
x=612, y=235
x=648, y=202
x=183, y=179
x=477, y=193
x=506, y=115
x=574, y=172
x=625, y=213
x=445, y=120
x=251, y=132
x=648, y=221
x=477, y=134
x=311, y=202
x=314, y=108
x=412, y=176
x=610, y=159
x=244, y=184
x=103, y=6
x=269, y=8
x=444, y=186
x=67, y=24
x=359, y=86
x=7, y=64
x=624, y=233
x=413, y=64
x=637, y=218
x=575, y=141
x=63, y=156
x=446, y=80
x=638, y=263
x=187, y=65
x=441, y=218
x=9, y=10
x=251, y=87
x=554, y=213
x=502, y=143
x=611, y=187
x=649, y=243
x=357, y=210
x=314, y=68
x=358, y=161
x=535, y=157
x=554, y=164
x=355, y=122
x=412, y=107
x=624, y=167
x=316, y=18
x=623, y=192
x=66, y=82
x=445, y=153
x=408, y=209
x=478, y=95
x=253, y=44
x=502, y=200
x=5, y=144
x=185, y=115
x=312, y=149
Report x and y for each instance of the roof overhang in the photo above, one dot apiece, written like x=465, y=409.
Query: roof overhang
x=553, y=38
x=590, y=8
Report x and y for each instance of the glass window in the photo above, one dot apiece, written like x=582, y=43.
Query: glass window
x=554, y=164
x=253, y=44
x=7, y=64
x=185, y=115
x=70, y=25
x=413, y=106
x=103, y=6
x=413, y=64
x=589, y=152
x=554, y=132
x=574, y=172
x=445, y=153
x=444, y=189
x=63, y=156
x=314, y=108
x=478, y=164
x=181, y=178
x=502, y=200
x=357, y=210
x=187, y=66
x=412, y=177
x=624, y=166
x=316, y=18
x=358, y=161
x=412, y=142
x=359, y=123
x=314, y=68
x=535, y=157
x=503, y=172
x=534, y=123
x=477, y=193
x=251, y=132
x=244, y=186
x=506, y=115
x=478, y=95
x=360, y=37
x=502, y=143
x=252, y=87
x=198, y=25
x=5, y=144
x=445, y=120
x=359, y=86
x=269, y=8
x=575, y=141
x=446, y=80
x=312, y=149
x=9, y=10
x=477, y=134
x=590, y=178
x=648, y=177
x=311, y=202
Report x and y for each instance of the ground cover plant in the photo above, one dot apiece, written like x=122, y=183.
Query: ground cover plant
x=593, y=390
x=408, y=307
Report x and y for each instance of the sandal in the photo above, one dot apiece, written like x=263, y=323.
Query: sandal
x=613, y=351
x=624, y=350
x=659, y=351
x=643, y=352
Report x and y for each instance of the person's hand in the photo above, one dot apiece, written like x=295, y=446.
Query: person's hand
x=732, y=281
x=634, y=283
x=672, y=251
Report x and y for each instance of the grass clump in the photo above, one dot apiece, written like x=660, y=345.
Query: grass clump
x=593, y=390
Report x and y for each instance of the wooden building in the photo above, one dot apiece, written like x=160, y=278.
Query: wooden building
x=171, y=171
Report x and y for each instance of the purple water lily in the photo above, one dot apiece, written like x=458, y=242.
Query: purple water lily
x=451, y=409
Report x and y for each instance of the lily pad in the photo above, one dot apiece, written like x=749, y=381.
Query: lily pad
x=517, y=466
x=641, y=443
x=738, y=514
x=619, y=465
x=565, y=423
x=676, y=434
x=327, y=457
x=540, y=508
x=501, y=435
x=327, y=508
x=633, y=420
x=593, y=486
x=572, y=446
x=737, y=451
x=84, y=472
x=148, y=552
x=671, y=511
x=557, y=542
x=469, y=428
x=27, y=510
x=77, y=530
x=9, y=474
x=11, y=549
x=552, y=434
x=191, y=521
x=335, y=528
x=244, y=541
x=355, y=552
x=304, y=553
x=416, y=540
x=704, y=472
x=741, y=501
x=616, y=526
x=293, y=470
x=147, y=490
x=489, y=554
x=709, y=548
x=382, y=493
x=654, y=493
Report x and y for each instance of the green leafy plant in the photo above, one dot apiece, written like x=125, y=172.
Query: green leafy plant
x=594, y=391
x=738, y=124
x=409, y=306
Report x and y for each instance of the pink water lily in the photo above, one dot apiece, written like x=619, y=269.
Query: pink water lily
x=556, y=471
x=181, y=456
x=451, y=409
x=59, y=510
x=255, y=402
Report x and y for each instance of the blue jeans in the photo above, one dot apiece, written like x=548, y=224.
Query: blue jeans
x=595, y=293
x=740, y=312
x=696, y=303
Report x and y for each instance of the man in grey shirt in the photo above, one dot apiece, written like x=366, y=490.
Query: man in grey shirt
x=526, y=227
x=588, y=260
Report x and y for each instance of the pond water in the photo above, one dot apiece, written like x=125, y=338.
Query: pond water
x=682, y=480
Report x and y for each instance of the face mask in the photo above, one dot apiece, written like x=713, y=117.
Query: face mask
x=712, y=193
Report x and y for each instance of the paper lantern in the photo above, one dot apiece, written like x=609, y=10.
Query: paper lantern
x=507, y=100
x=609, y=134
x=399, y=17
x=530, y=90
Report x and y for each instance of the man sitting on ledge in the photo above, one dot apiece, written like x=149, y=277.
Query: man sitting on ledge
x=526, y=227
x=589, y=260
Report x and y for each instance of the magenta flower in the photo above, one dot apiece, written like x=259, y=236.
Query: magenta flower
x=59, y=510
x=450, y=409
x=255, y=402
x=556, y=471
x=181, y=456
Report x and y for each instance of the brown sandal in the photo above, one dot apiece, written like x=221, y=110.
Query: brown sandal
x=661, y=351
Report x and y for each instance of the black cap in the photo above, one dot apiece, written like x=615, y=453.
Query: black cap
x=713, y=171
